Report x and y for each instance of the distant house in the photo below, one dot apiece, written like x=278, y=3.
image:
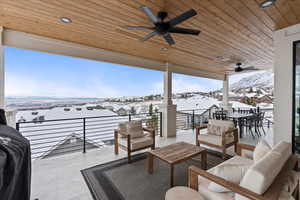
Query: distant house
x=89, y=108
x=265, y=99
x=109, y=107
x=121, y=111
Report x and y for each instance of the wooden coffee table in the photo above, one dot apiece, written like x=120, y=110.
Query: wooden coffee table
x=176, y=153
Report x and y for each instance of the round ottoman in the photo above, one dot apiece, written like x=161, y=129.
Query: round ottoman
x=180, y=193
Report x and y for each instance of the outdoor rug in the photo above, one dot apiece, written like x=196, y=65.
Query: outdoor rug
x=119, y=180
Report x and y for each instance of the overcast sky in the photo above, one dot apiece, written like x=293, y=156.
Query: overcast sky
x=31, y=73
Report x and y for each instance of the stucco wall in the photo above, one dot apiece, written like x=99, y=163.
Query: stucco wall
x=283, y=69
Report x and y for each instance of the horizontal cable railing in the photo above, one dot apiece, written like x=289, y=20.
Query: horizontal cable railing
x=60, y=136
x=190, y=119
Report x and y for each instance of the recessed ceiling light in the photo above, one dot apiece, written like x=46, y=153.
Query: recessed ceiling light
x=65, y=20
x=164, y=49
x=267, y=3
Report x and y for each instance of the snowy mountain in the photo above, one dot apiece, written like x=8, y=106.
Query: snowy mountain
x=259, y=80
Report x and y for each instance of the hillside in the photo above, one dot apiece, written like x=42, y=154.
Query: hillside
x=262, y=80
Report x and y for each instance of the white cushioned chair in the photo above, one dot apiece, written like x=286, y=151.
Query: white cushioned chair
x=131, y=137
x=220, y=134
x=265, y=179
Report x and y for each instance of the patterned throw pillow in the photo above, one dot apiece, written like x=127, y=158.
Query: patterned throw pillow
x=135, y=129
x=213, y=130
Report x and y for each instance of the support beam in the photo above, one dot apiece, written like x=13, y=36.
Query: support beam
x=2, y=75
x=225, y=103
x=167, y=108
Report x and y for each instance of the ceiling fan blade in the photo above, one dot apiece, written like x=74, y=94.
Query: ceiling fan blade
x=150, y=14
x=184, y=31
x=250, y=68
x=138, y=28
x=150, y=35
x=169, y=39
x=184, y=16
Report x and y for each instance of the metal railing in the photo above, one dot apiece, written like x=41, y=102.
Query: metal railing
x=50, y=138
x=190, y=119
x=60, y=136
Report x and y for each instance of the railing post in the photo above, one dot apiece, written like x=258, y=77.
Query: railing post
x=193, y=120
x=209, y=113
x=18, y=126
x=160, y=125
x=129, y=117
x=84, y=139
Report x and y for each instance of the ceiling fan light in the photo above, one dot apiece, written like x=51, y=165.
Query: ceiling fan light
x=267, y=3
x=65, y=20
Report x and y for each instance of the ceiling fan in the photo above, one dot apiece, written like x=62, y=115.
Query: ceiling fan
x=240, y=69
x=165, y=28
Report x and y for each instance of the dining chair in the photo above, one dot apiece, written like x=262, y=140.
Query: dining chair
x=260, y=122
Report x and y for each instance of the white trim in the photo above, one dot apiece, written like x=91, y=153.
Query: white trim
x=38, y=43
x=2, y=70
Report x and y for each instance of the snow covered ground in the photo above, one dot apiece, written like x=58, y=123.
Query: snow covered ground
x=47, y=135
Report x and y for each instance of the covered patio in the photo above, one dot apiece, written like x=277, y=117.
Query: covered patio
x=232, y=31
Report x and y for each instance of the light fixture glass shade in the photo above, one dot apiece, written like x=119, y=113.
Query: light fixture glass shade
x=65, y=20
x=267, y=3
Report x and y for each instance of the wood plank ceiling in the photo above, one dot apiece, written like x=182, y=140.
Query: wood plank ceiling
x=234, y=29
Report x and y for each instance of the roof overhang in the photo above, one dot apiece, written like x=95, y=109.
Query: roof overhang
x=44, y=44
x=232, y=31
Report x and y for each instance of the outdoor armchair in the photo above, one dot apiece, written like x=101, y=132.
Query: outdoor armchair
x=220, y=134
x=132, y=137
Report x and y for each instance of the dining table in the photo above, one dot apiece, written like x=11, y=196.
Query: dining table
x=238, y=119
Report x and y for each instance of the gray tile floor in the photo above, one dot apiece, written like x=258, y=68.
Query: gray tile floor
x=59, y=178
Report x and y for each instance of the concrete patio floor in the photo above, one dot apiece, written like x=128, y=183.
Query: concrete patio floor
x=60, y=177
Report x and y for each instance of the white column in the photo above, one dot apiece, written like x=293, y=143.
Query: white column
x=225, y=103
x=2, y=75
x=168, y=86
x=167, y=108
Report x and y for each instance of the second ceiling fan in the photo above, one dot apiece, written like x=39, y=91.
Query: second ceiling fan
x=165, y=28
x=238, y=68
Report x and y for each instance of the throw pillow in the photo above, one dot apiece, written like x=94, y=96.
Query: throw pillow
x=230, y=172
x=213, y=130
x=135, y=129
x=261, y=149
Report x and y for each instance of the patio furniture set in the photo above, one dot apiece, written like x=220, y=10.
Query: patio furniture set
x=258, y=173
x=249, y=121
